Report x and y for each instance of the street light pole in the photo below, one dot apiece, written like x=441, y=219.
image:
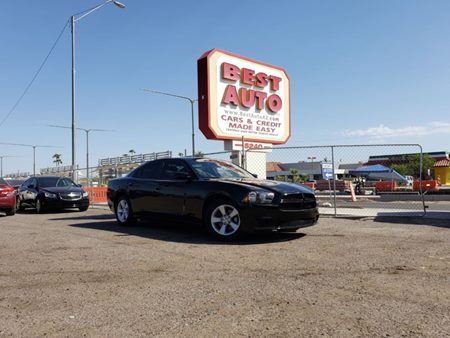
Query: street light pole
x=73, y=20
x=192, y=101
x=34, y=146
x=87, y=131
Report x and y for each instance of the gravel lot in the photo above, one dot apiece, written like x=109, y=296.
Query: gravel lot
x=79, y=274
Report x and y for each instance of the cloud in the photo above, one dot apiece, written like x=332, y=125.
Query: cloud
x=383, y=131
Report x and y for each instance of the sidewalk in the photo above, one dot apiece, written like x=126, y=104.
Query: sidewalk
x=379, y=212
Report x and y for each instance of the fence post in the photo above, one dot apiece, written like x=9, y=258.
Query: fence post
x=334, y=180
x=420, y=181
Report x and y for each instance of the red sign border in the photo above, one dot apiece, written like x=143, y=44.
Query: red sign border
x=203, y=97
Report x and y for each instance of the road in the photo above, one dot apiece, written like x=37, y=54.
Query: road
x=78, y=274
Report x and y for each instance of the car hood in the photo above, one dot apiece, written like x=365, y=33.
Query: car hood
x=275, y=186
x=57, y=190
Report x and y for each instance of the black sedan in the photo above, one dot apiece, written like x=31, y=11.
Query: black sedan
x=51, y=193
x=226, y=198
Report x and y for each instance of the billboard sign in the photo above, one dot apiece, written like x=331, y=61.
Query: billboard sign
x=240, y=97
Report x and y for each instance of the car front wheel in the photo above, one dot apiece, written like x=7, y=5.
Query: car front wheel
x=223, y=220
x=123, y=211
x=38, y=204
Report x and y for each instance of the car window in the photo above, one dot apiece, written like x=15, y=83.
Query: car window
x=65, y=182
x=208, y=168
x=46, y=182
x=150, y=170
x=172, y=168
x=2, y=181
x=26, y=183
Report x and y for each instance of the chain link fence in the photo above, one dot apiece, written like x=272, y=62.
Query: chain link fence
x=349, y=180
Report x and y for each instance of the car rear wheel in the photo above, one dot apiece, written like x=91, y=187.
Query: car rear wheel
x=223, y=220
x=123, y=211
x=19, y=206
x=83, y=208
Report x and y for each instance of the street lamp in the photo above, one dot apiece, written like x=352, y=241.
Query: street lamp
x=34, y=146
x=192, y=111
x=87, y=131
x=73, y=19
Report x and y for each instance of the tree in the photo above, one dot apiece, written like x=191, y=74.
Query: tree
x=412, y=167
x=57, y=159
x=199, y=154
x=131, y=152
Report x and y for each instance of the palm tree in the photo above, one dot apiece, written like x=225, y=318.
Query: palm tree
x=57, y=159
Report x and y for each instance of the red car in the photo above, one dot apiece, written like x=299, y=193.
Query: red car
x=7, y=198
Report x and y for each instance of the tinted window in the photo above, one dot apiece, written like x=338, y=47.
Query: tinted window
x=45, y=182
x=171, y=168
x=149, y=170
x=65, y=182
x=26, y=183
x=207, y=168
x=2, y=181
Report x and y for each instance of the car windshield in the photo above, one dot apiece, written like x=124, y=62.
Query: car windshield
x=46, y=182
x=207, y=168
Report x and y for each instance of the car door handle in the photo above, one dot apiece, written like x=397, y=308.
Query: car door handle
x=130, y=184
x=158, y=188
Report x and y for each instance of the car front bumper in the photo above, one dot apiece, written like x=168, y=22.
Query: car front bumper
x=270, y=218
x=64, y=204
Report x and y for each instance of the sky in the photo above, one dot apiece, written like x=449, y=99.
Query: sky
x=361, y=72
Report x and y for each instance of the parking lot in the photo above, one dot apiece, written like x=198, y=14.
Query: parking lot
x=74, y=274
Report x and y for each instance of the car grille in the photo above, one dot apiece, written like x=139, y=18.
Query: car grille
x=71, y=196
x=298, y=202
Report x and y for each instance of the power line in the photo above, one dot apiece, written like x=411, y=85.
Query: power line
x=35, y=75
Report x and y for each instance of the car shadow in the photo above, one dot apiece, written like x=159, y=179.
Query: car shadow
x=435, y=222
x=175, y=231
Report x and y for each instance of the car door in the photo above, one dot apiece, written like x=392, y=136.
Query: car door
x=142, y=187
x=171, y=189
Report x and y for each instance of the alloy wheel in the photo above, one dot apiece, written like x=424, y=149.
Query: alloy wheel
x=123, y=211
x=225, y=220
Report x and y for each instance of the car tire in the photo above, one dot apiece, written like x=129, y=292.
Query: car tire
x=38, y=206
x=223, y=219
x=123, y=212
x=11, y=212
x=83, y=208
x=19, y=206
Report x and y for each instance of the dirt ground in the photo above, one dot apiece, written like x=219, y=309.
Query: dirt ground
x=79, y=274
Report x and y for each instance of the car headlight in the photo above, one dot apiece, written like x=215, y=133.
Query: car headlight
x=259, y=197
x=85, y=194
x=50, y=195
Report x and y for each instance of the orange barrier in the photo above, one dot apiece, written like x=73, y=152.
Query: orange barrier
x=96, y=194
x=426, y=185
x=386, y=186
x=311, y=185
